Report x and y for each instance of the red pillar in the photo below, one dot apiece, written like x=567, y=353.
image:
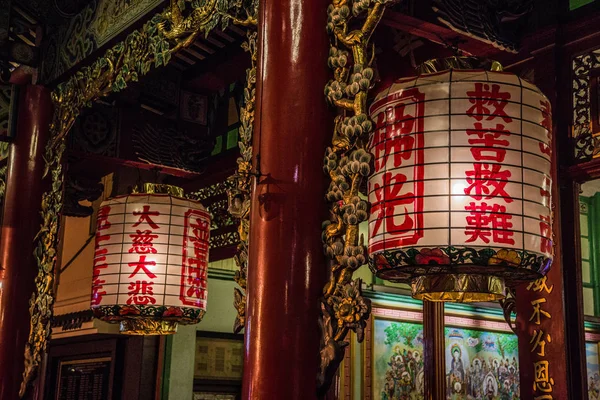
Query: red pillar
x=434, y=350
x=545, y=362
x=20, y=224
x=287, y=268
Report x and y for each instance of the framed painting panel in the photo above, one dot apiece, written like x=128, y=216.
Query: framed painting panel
x=84, y=379
x=394, y=365
x=481, y=356
x=219, y=357
x=481, y=363
x=592, y=357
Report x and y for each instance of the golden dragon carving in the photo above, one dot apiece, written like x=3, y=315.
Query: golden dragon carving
x=347, y=163
x=191, y=25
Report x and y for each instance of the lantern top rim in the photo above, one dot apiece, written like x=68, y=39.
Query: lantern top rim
x=460, y=63
x=197, y=204
x=158, y=188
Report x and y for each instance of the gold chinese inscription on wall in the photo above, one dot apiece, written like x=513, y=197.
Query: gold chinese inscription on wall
x=218, y=358
x=540, y=341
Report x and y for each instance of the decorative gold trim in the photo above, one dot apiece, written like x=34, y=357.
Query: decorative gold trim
x=443, y=64
x=509, y=306
x=241, y=182
x=463, y=288
x=347, y=163
x=147, y=327
x=150, y=46
x=159, y=188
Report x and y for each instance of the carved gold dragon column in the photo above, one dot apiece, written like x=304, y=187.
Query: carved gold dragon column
x=240, y=183
x=347, y=162
x=150, y=46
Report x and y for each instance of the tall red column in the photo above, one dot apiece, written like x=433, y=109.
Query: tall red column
x=20, y=224
x=434, y=350
x=547, y=310
x=287, y=268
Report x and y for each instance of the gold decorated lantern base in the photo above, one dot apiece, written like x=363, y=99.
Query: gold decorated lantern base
x=147, y=327
x=459, y=288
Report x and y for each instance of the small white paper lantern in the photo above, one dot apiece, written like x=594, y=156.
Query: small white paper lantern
x=460, y=194
x=150, y=264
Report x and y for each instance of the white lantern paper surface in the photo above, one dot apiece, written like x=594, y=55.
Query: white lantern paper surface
x=150, y=265
x=461, y=183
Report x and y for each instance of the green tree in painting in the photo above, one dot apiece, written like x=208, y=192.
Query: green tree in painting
x=402, y=333
x=507, y=344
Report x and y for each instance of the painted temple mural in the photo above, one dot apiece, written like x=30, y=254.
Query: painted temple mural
x=480, y=365
x=593, y=370
x=398, y=363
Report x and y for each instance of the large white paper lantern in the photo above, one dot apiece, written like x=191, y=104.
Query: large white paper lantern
x=150, y=264
x=460, y=194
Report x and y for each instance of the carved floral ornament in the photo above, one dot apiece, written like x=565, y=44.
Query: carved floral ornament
x=150, y=46
x=585, y=139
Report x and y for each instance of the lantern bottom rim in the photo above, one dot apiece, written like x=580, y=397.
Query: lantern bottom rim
x=458, y=288
x=147, y=327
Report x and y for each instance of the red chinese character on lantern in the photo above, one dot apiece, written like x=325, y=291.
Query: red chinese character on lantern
x=142, y=265
x=546, y=123
x=142, y=242
x=489, y=220
x=397, y=194
x=545, y=193
x=195, y=257
x=145, y=217
x=488, y=101
x=196, y=275
x=489, y=140
x=196, y=280
x=390, y=202
x=100, y=255
x=140, y=292
x=102, y=222
x=200, y=229
x=489, y=181
x=99, y=265
x=394, y=139
x=97, y=293
x=546, y=242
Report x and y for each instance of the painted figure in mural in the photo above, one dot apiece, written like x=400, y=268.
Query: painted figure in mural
x=491, y=387
x=456, y=377
x=476, y=379
x=492, y=372
x=594, y=387
x=404, y=376
x=385, y=395
x=479, y=365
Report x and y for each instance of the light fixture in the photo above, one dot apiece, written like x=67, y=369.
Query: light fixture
x=150, y=264
x=460, y=194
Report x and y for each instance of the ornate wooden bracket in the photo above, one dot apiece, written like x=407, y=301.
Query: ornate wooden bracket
x=509, y=306
x=78, y=188
x=347, y=162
